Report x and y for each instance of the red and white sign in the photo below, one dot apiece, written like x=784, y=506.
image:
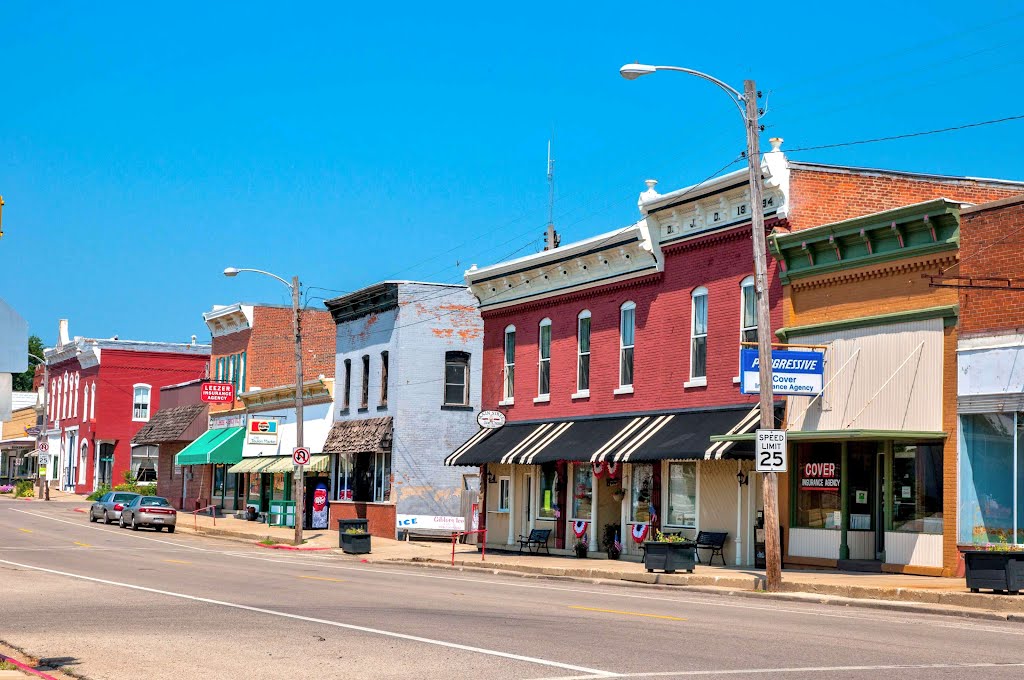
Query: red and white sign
x=819, y=477
x=490, y=420
x=319, y=499
x=300, y=455
x=43, y=446
x=217, y=392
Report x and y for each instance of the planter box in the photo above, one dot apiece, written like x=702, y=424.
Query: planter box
x=998, y=571
x=670, y=557
x=356, y=544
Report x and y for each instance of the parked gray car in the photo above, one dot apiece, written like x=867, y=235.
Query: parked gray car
x=108, y=507
x=149, y=511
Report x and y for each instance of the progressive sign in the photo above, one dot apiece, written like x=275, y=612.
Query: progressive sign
x=793, y=372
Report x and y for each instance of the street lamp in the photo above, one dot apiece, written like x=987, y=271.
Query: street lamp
x=46, y=422
x=746, y=104
x=299, y=481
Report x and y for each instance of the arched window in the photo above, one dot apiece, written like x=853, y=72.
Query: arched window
x=85, y=402
x=92, y=404
x=456, y=378
x=583, y=353
x=748, y=313
x=140, y=402
x=64, y=396
x=699, y=334
x=74, y=412
x=627, y=337
x=84, y=460
x=53, y=399
x=544, y=359
x=509, y=372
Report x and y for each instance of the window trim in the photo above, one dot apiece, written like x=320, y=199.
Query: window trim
x=347, y=399
x=383, y=379
x=582, y=393
x=456, y=358
x=625, y=388
x=507, y=482
x=698, y=380
x=665, y=486
x=747, y=282
x=92, y=402
x=542, y=360
x=149, y=403
x=508, y=388
x=364, y=393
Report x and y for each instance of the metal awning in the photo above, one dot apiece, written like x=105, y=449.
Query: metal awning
x=676, y=435
x=214, y=446
x=276, y=464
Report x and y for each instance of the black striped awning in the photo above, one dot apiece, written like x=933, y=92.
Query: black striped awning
x=677, y=435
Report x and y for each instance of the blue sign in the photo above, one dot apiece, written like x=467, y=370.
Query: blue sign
x=793, y=372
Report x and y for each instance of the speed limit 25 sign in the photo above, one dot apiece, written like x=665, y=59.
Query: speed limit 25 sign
x=770, y=452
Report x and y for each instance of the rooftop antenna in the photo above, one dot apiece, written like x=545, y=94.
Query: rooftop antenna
x=551, y=237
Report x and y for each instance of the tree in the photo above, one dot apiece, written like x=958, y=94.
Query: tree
x=23, y=381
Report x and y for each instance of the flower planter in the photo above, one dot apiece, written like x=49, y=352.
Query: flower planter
x=581, y=551
x=995, y=570
x=670, y=557
x=355, y=544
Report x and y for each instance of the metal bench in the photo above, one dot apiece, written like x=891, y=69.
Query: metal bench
x=713, y=541
x=538, y=538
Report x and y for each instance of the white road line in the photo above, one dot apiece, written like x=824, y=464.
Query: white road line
x=803, y=669
x=312, y=561
x=591, y=672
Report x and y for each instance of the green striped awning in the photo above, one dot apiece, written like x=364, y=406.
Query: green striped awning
x=251, y=464
x=274, y=464
x=214, y=446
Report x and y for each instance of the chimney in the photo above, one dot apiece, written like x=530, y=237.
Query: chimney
x=193, y=339
x=62, y=333
x=776, y=143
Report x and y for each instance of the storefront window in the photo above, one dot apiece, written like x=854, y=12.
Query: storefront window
x=344, y=481
x=381, y=477
x=641, y=485
x=817, y=486
x=917, y=488
x=986, y=477
x=218, y=480
x=548, y=491
x=582, y=494
x=682, y=495
x=254, y=486
x=278, y=487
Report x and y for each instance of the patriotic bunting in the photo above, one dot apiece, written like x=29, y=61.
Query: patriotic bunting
x=640, y=532
x=579, y=527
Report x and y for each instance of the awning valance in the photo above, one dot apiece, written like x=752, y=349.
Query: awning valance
x=840, y=435
x=214, y=446
x=639, y=437
x=276, y=464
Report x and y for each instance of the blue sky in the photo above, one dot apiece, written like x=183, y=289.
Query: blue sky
x=145, y=147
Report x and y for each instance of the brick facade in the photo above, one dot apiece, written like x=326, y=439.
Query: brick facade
x=990, y=237
x=824, y=194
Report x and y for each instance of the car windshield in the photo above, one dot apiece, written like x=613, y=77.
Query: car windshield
x=123, y=497
x=155, y=501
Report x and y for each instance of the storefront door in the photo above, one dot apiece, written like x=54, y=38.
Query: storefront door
x=862, y=496
x=880, y=507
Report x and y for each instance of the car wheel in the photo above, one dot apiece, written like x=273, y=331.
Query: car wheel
x=170, y=530
x=121, y=521
x=135, y=524
x=106, y=517
x=92, y=515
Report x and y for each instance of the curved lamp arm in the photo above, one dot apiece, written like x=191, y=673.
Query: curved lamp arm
x=233, y=271
x=634, y=71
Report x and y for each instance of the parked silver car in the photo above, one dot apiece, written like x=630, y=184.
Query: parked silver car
x=108, y=507
x=149, y=511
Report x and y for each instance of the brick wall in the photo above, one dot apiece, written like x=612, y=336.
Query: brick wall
x=662, y=339
x=271, y=347
x=952, y=561
x=990, y=237
x=382, y=518
x=821, y=195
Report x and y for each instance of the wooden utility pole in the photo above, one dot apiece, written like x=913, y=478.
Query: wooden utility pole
x=300, y=470
x=773, y=551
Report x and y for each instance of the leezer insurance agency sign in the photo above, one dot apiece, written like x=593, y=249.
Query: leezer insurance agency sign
x=793, y=372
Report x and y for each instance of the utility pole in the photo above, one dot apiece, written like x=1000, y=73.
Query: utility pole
x=45, y=426
x=300, y=481
x=773, y=551
x=551, y=238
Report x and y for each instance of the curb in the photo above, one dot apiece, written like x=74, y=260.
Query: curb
x=25, y=668
x=283, y=546
x=649, y=581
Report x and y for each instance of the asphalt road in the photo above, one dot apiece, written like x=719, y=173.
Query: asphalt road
x=114, y=603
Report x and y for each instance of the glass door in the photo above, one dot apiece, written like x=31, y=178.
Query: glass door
x=880, y=507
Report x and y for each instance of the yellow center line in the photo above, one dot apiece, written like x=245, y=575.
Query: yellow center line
x=324, y=578
x=84, y=545
x=177, y=561
x=27, y=531
x=616, y=611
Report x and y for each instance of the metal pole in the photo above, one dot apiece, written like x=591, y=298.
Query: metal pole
x=299, y=481
x=773, y=551
x=46, y=422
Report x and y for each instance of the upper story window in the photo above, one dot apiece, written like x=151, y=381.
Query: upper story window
x=583, y=352
x=92, y=403
x=456, y=378
x=53, y=399
x=85, y=402
x=364, y=396
x=383, y=378
x=64, y=396
x=140, y=401
x=347, y=394
x=627, y=336
x=74, y=411
x=231, y=369
x=748, y=312
x=509, y=380
x=544, y=359
x=699, y=333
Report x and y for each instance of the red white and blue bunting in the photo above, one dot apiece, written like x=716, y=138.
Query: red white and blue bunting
x=640, y=532
x=579, y=527
x=612, y=469
x=598, y=469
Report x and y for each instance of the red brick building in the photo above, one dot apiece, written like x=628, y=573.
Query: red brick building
x=102, y=391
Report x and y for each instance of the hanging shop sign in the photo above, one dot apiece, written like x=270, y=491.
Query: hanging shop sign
x=490, y=420
x=793, y=372
x=261, y=431
x=217, y=392
x=819, y=477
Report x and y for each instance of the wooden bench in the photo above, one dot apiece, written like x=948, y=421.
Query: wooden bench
x=538, y=538
x=713, y=541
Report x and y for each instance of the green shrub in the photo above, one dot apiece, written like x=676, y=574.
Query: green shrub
x=24, y=488
x=95, y=495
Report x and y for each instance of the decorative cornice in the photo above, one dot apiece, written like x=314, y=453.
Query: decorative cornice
x=229, y=319
x=868, y=272
x=941, y=312
x=317, y=391
x=586, y=293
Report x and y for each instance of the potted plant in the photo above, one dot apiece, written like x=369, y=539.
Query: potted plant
x=580, y=546
x=998, y=566
x=618, y=494
x=670, y=553
x=610, y=541
x=355, y=541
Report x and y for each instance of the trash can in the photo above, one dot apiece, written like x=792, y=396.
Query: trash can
x=345, y=524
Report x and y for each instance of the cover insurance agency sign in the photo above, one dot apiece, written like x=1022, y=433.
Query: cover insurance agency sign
x=793, y=372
